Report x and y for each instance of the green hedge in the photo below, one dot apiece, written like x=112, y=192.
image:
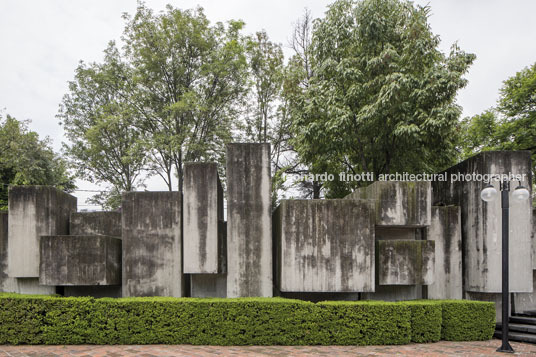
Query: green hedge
x=467, y=320
x=26, y=319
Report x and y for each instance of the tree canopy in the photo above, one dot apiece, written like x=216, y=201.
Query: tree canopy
x=27, y=160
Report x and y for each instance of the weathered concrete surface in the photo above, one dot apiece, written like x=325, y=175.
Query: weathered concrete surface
x=446, y=232
x=203, y=208
x=208, y=285
x=112, y=291
x=325, y=246
x=96, y=223
x=7, y=284
x=32, y=286
x=249, y=224
x=34, y=211
x=405, y=262
x=397, y=203
x=526, y=301
x=80, y=260
x=151, y=233
x=482, y=223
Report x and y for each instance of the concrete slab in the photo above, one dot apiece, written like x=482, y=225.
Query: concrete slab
x=446, y=232
x=96, y=223
x=482, y=223
x=405, y=262
x=325, y=245
x=398, y=203
x=151, y=234
x=249, y=220
x=34, y=211
x=208, y=285
x=80, y=260
x=203, y=208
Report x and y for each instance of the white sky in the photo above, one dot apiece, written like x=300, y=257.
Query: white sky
x=41, y=43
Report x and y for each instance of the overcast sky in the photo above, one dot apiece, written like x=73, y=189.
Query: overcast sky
x=42, y=41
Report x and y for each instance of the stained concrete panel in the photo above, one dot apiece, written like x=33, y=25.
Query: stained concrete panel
x=96, y=223
x=446, y=232
x=203, y=209
x=7, y=284
x=208, y=285
x=151, y=234
x=398, y=203
x=249, y=226
x=482, y=223
x=406, y=262
x=34, y=211
x=325, y=245
x=80, y=260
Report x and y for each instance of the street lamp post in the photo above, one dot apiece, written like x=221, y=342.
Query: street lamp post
x=488, y=194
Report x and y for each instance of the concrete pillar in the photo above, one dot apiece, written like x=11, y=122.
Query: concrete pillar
x=203, y=209
x=249, y=226
x=96, y=223
x=7, y=284
x=324, y=246
x=151, y=237
x=446, y=232
x=34, y=211
x=482, y=223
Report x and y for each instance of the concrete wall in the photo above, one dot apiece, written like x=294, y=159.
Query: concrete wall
x=208, y=285
x=446, y=232
x=203, y=208
x=7, y=284
x=482, y=224
x=151, y=233
x=325, y=245
x=96, y=223
x=249, y=226
x=80, y=260
x=405, y=262
x=34, y=211
x=397, y=203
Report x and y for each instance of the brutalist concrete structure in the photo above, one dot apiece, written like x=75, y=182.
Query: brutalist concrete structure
x=151, y=237
x=406, y=262
x=7, y=284
x=445, y=231
x=324, y=246
x=208, y=285
x=96, y=223
x=203, y=209
x=249, y=223
x=34, y=211
x=481, y=222
x=80, y=260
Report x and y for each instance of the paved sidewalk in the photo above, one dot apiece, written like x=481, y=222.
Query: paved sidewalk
x=486, y=348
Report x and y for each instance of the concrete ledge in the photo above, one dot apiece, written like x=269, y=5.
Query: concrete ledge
x=406, y=262
x=80, y=260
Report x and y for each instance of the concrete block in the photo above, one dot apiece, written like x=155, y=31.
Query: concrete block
x=96, y=223
x=398, y=203
x=446, y=232
x=325, y=246
x=151, y=234
x=208, y=285
x=482, y=223
x=249, y=220
x=31, y=286
x=405, y=262
x=80, y=260
x=203, y=209
x=7, y=284
x=34, y=211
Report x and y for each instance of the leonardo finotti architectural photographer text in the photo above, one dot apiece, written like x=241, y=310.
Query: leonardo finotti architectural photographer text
x=409, y=177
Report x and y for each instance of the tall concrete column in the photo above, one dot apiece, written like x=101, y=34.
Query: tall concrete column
x=151, y=234
x=249, y=226
x=7, y=284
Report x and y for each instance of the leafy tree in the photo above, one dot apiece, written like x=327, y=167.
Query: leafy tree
x=104, y=145
x=382, y=96
x=27, y=160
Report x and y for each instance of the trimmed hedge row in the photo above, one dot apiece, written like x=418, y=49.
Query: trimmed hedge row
x=37, y=319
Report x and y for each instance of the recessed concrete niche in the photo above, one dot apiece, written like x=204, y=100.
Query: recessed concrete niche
x=445, y=231
x=80, y=260
x=325, y=245
x=96, y=223
x=397, y=203
x=151, y=234
x=34, y=211
x=249, y=221
x=406, y=262
x=203, y=209
x=482, y=223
